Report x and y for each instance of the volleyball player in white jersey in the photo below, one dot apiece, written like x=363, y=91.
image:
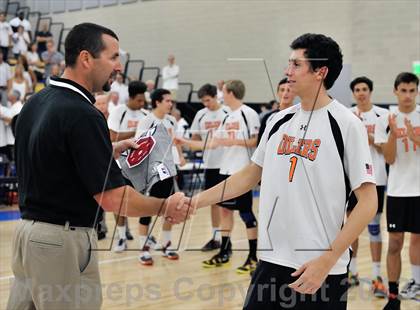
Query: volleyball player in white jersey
x=161, y=107
x=309, y=158
x=205, y=122
x=122, y=124
x=368, y=113
x=399, y=137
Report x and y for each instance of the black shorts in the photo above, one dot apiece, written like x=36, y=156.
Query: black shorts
x=163, y=189
x=381, y=194
x=211, y=178
x=242, y=203
x=269, y=290
x=403, y=214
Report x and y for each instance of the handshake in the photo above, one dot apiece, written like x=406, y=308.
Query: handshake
x=179, y=208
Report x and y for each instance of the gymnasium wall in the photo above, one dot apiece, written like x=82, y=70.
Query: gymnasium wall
x=378, y=38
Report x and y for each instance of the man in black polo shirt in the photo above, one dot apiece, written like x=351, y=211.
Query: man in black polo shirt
x=66, y=169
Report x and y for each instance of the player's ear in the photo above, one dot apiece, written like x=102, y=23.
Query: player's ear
x=322, y=73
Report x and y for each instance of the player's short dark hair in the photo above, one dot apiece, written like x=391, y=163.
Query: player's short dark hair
x=157, y=95
x=361, y=79
x=321, y=51
x=207, y=90
x=135, y=88
x=236, y=87
x=406, y=77
x=282, y=81
x=85, y=36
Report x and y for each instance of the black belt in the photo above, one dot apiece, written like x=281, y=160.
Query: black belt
x=57, y=222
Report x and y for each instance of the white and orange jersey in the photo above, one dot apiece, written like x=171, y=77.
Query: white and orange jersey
x=369, y=119
x=306, y=181
x=205, y=123
x=123, y=119
x=404, y=173
x=241, y=124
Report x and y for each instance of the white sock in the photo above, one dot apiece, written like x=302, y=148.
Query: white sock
x=376, y=270
x=121, y=231
x=165, y=237
x=216, y=233
x=415, y=270
x=353, y=265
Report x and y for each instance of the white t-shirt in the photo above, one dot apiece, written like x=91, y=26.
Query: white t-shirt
x=170, y=124
x=16, y=22
x=5, y=74
x=369, y=120
x=239, y=124
x=303, y=186
x=123, y=119
x=207, y=121
x=20, y=43
x=5, y=32
x=122, y=91
x=404, y=173
x=10, y=112
x=170, y=77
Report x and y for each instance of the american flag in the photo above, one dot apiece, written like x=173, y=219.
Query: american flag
x=369, y=169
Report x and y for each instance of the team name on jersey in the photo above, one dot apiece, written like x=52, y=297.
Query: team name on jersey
x=211, y=125
x=232, y=126
x=402, y=132
x=132, y=124
x=306, y=148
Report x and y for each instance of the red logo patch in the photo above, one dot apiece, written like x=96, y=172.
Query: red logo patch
x=136, y=157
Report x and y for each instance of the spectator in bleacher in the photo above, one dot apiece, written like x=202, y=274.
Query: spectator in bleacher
x=5, y=79
x=20, y=20
x=5, y=36
x=150, y=87
x=27, y=73
x=34, y=62
x=21, y=41
x=55, y=71
x=6, y=117
x=119, y=87
x=42, y=37
x=170, y=74
x=220, y=84
x=19, y=82
x=113, y=99
x=51, y=57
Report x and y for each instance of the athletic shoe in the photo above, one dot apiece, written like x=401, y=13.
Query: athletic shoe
x=378, y=288
x=145, y=258
x=120, y=246
x=128, y=235
x=217, y=260
x=172, y=255
x=353, y=279
x=101, y=235
x=410, y=290
x=211, y=245
x=249, y=266
x=393, y=303
x=151, y=242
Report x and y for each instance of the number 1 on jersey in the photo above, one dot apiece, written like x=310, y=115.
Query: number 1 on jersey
x=293, y=162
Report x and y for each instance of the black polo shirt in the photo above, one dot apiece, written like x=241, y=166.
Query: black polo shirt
x=63, y=155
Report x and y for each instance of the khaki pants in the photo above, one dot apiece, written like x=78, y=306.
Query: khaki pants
x=54, y=268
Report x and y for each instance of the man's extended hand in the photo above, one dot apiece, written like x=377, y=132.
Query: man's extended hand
x=176, y=210
x=123, y=145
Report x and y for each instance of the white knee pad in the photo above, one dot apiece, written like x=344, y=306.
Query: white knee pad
x=374, y=229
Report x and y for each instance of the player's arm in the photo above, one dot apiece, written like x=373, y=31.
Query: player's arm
x=252, y=142
x=196, y=145
x=313, y=273
x=389, y=148
x=234, y=186
x=119, y=136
